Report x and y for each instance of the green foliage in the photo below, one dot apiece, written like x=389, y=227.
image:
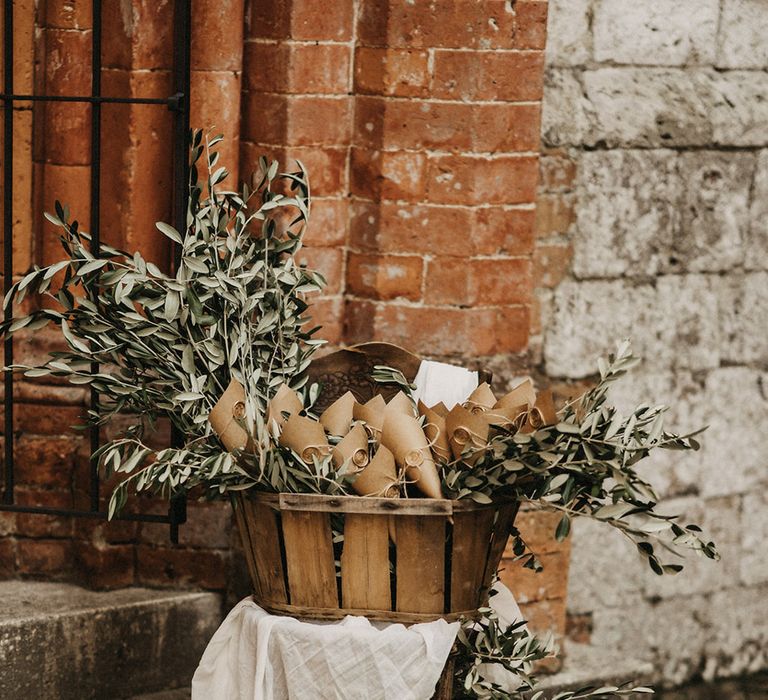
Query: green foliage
x=585, y=466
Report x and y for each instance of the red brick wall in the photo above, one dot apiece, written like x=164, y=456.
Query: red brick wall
x=419, y=124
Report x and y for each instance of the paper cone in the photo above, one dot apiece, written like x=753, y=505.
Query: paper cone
x=509, y=417
x=403, y=436
x=480, y=399
x=435, y=430
x=352, y=451
x=543, y=413
x=305, y=436
x=337, y=418
x=466, y=429
x=440, y=408
x=522, y=394
x=285, y=400
x=379, y=478
x=372, y=414
x=225, y=414
x=401, y=403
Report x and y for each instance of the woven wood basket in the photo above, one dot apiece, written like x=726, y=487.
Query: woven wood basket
x=401, y=560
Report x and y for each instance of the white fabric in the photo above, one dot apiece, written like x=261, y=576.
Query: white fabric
x=258, y=656
x=506, y=607
x=437, y=381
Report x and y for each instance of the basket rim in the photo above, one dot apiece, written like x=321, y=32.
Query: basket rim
x=369, y=505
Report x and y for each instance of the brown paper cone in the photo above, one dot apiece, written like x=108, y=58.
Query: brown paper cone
x=372, y=414
x=223, y=417
x=480, y=399
x=305, y=436
x=403, y=436
x=337, y=418
x=379, y=478
x=440, y=409
x=285, y=400
x=466, y=429
x=352, y=451
x=543, y=413
x=401, y=403
x=435, y=430
x=509, y=417
x=522, y=394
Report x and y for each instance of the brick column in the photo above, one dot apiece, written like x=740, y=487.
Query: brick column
x=443, y=175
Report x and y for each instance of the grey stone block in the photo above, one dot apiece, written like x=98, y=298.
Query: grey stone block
x=741, y=39
x=61, y=642
x=655, y=32
x=743, y=316
x=568, y=32
x=739, y=108
x=567, y=116
x=628, y=214
x=754, y=535
x=756, y=257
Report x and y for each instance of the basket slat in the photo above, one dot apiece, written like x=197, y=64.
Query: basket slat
x=309, y=557
x=261, y=523
x=365, y=563
x=420, y=564
x=471, y=539
x=245, y=537
x=354, y=504
x=504, y=520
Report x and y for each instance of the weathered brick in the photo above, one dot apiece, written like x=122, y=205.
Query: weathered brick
x=651, y=34
x=69, y=184
x=551, y=264
x=102, y=566
x=462, y=282
x=528, y=586
x=34, y=525
x=477, y=180
x=45, y=461
x=295, y=120
x=453, y=23
x=439, y=331
x=140, y=35
x=385, y=276
x=328, y=261
x=326, y=166
x=164, y=566
x=441, y=230
x=383, y=71
x=217, y=35
x=557, y=171
x=488, y=75
x=328, y=222
x=327, y=312
x=296, y=68
x=44, y=557
x=301, y=19
x=66, y=14
x=387, y=174
x=555, y=213
x=505, y=128
x=545, y=616
x=7, y=557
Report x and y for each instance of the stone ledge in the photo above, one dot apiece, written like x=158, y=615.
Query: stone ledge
x=63, y=642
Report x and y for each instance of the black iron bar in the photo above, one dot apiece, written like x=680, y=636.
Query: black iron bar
x=167, y=101
x=41, y=510
x=8, y=244
x=94, y=433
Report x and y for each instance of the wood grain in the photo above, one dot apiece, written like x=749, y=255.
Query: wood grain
x=309, y=557
x=420, y=564
x=265, y=544
x=365, y=563
x=469, y=554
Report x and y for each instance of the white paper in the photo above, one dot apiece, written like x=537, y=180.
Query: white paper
x=437, y=381
x=258, y=656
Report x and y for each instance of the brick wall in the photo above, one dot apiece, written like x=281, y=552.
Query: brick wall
x=652, y=223
x=419, y=124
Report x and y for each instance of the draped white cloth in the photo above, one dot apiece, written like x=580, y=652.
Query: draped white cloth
x=437, y=381
x=258, y=656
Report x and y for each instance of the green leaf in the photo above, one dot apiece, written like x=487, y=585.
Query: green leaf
x=563, y=528
x=169, y=231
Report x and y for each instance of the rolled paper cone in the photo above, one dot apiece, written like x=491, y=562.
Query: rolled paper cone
x=403, y=436
x=543, y=413
x=225, y=414
x=305, y=436
x=466, y=429
x=337, y=418
x=509, y=417
x=379, y=478
x=435, y=430
x=440, y=409
x=352, y=450
x=480, y=399
x=521, y=394
x=285, y=400
x=372, y=414
x=401, y=403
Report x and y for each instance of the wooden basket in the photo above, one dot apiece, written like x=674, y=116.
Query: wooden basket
x=401, y=560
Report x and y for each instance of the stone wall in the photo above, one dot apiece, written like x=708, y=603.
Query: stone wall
x=652, y=224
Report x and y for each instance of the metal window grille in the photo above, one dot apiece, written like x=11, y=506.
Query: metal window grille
x=179, y=104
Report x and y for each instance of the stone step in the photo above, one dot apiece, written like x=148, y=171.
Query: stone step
x=62, y=642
